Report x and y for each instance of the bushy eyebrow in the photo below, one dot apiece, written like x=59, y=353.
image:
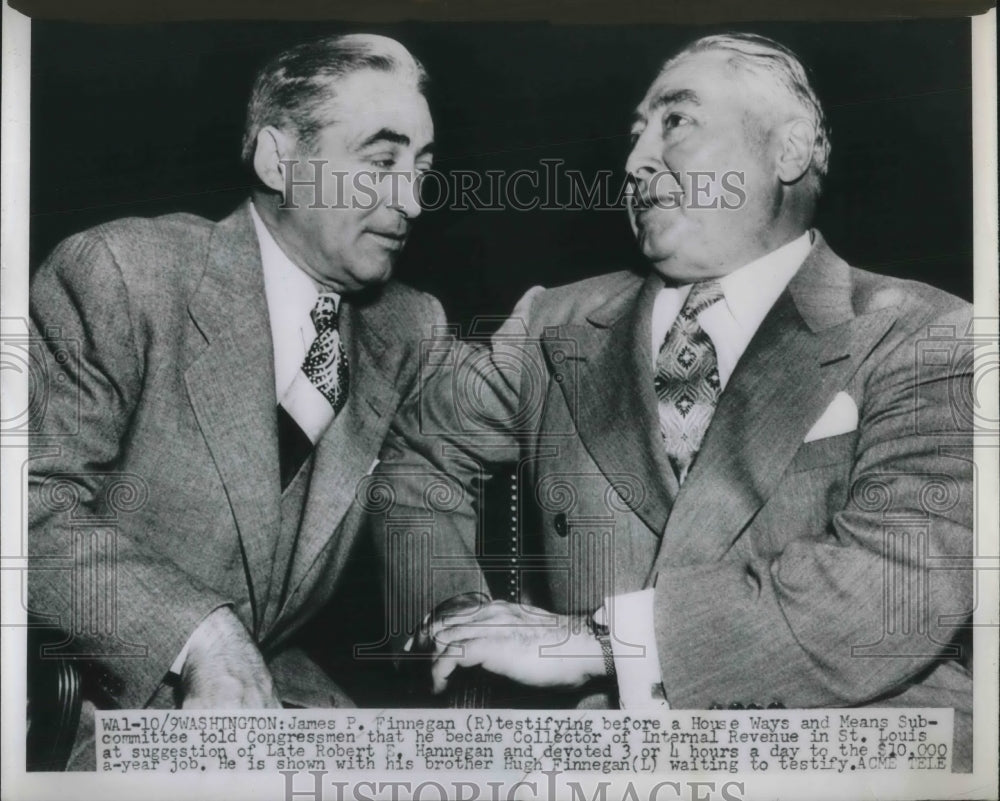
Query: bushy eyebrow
x=395, y=138
x=386, y=135
x=677, y=96
x=667, y=99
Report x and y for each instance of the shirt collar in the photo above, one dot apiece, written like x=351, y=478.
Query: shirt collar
x=752, y=290
x=287, y=286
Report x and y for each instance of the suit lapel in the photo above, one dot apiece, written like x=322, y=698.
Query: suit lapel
x=231, y=389
x=807, y=348
x=352, y=442
x=612, y=395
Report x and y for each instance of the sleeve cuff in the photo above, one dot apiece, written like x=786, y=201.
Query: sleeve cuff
x=178, y=664
x=633, y=640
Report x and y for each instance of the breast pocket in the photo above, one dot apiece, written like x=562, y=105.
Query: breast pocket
x=824, y=452
x=809, y=493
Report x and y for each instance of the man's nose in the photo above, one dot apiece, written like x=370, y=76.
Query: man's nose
x=405, y=195
x=645, y=158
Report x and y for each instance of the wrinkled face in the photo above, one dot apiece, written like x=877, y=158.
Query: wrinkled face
x=365, y=164
x=703, y=162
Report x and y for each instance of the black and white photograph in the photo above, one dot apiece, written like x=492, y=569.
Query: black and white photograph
x=441, y=407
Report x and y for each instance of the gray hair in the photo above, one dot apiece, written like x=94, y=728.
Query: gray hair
x=292, y=88
x=763, y=56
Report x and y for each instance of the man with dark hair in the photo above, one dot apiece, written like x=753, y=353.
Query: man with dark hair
x=751, y=489
x=238, y=379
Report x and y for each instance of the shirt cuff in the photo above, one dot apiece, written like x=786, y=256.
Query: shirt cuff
x=178, y=664
x=633, y=642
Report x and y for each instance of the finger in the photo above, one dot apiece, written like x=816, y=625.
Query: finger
x=458, y=618
x=259, y=696
x=271, y=700
x=496, y=614
x=493, y=613
x=266, y=700
x=456, y=634
x=497, y=610
x=462, y=654
x=501, y=626
x=210, y=698
x=226, y=691
x=504, y=613
x=225, y=687
x=479, y=612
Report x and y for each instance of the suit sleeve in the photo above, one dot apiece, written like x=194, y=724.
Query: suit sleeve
x=124, y=606
x=859, y=610
x=452, y=429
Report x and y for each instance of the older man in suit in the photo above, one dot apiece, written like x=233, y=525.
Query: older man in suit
x=749, y=485
x=235, y=381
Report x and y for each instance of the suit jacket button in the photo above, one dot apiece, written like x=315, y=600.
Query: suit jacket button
x=560, y=524
x=112, y=685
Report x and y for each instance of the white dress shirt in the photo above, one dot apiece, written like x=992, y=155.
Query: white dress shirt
x=291, y=295
x=748, y=295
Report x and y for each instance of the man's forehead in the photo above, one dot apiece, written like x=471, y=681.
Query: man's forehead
x=690, y=80
x=370, y=92
x=394, y=112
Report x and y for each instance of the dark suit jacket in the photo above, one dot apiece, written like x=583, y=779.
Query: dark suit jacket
x=824, y=573
x=154, y=486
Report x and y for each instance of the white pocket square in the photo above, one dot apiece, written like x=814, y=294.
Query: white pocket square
x=840, y=417
x=375, y=464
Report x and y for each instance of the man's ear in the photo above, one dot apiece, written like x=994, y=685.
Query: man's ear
x=797, y=139
x=273, y=147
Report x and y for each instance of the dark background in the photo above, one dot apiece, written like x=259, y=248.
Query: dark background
x=144, y=120
x=147, y=119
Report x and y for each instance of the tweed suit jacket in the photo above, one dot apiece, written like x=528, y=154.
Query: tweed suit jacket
x=170, y=403
x=777, y=566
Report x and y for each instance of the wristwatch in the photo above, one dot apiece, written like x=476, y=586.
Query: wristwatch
x=603, y=635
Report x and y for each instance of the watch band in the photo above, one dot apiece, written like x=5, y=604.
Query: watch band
x=603, y=635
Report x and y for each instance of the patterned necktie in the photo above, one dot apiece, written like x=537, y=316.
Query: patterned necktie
x=326, y=363
x=687, y=380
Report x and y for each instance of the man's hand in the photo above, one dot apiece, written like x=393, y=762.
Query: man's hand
x=224, y=669
x=523, y=643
